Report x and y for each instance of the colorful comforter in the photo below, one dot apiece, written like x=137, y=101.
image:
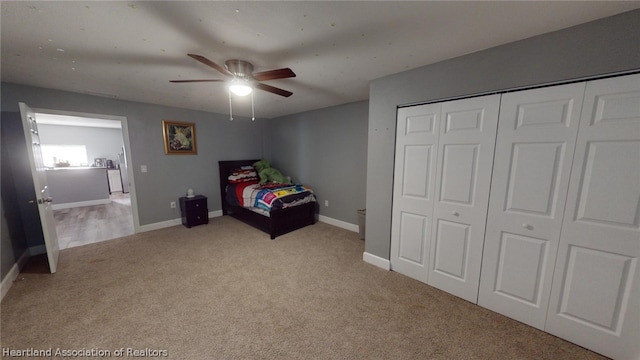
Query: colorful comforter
x=269, y=196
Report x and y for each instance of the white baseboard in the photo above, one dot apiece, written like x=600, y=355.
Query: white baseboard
x=217, y=213
x=80, y=204
x=12, y=275
x=376, y=260
x=338, y=223
x=173, y=222
x=160, y=225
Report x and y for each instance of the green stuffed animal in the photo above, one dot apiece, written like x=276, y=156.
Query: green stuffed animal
x=268, y=174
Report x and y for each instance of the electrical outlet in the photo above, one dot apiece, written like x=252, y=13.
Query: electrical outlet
x=326, y=203
x=173, y=204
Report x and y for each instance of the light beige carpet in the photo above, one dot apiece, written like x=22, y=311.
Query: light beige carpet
x=225, y=291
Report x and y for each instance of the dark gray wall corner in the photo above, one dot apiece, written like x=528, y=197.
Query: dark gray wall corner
x=604, y=46
x=325, y=149
x=21, y=227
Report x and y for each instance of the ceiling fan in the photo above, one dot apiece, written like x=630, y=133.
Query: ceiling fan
x=242, y=76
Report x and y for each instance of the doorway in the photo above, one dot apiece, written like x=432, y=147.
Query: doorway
x=92, y=183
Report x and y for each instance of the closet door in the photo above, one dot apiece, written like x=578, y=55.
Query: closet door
x=465, y=160
x=414, y=183
x=536, y=138
x=595, y=298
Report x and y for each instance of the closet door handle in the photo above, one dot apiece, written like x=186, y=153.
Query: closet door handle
x=455, y=213
x=527, y=226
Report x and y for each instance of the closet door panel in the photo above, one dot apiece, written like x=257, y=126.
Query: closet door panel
x=533, y=178
x=465, y=156
x=413, y=191
x=534, y=149
x=595, y=298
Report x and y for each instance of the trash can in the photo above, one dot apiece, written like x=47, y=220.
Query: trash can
x=362, y=216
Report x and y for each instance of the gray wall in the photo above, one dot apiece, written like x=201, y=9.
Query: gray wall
x=168, y=176
x=13, y=242
x=327, y=150
x=100, y=142
x=12, y=245
x=604, y=46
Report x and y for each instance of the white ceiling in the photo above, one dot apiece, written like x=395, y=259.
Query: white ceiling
x=130, y=50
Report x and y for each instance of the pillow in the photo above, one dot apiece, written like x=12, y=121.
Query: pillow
x=243, y=174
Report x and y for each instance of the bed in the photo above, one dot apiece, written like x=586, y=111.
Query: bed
x=276, y=220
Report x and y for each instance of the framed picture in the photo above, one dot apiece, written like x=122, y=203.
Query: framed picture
x=179, y=137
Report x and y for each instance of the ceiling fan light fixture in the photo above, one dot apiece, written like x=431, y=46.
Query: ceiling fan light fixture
x=240, y=87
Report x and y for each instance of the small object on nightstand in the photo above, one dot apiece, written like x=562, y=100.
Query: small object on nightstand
x=194, y=210
x=190, y=193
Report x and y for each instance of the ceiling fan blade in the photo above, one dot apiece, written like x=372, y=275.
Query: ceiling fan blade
x=209, y=63
x=274, y=74
x=274, y=90
x=189, y=81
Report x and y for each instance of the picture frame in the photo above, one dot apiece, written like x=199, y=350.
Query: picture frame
x=179, y=137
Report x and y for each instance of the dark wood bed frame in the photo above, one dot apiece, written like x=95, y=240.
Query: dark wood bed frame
x=279, y=223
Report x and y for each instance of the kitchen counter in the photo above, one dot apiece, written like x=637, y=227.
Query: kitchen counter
x=78, y=186
x=77, y=168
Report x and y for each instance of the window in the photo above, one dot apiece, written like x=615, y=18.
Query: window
x=75, y=155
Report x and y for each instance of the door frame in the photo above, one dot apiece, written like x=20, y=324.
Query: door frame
x=127, y=151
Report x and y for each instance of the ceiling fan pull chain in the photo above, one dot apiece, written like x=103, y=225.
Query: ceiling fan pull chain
x=230, y=107
x=253, y=112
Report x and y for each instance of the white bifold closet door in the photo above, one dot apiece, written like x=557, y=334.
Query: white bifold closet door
x=595, y=296
x=535, y=144
x=463, y=179
x=414, y=182
x=441, y=187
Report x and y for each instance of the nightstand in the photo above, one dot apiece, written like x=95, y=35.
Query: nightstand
x=194, y=210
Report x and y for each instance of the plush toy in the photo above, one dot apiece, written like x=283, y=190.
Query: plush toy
x=268, y=174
